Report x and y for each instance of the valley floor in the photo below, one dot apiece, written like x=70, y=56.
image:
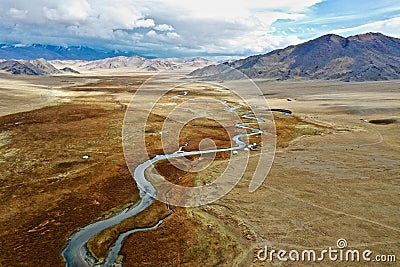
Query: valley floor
x=335, y=175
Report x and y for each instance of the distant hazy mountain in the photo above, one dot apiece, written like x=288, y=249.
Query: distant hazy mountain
x=365, y=57
x=50, y=52
x=136, y=63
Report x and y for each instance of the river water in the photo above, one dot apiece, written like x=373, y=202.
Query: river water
x=76, y=254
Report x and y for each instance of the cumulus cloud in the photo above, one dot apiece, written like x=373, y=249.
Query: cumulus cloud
x=166, y=37
x=389, y=27
x=164, y=28
x=74, y=11
x=179, y=27
x=144, y=23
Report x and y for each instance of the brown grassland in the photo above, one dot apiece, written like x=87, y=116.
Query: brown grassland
x=332, y=177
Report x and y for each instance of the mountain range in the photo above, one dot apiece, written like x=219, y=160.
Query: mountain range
x=134, y=63
x=365, y=57
x=32, y=67
x=137, y=63
x=51, y=52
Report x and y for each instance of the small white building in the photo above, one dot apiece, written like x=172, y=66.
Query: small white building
x=253, y=147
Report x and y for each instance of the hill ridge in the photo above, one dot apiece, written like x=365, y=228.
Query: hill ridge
x=364, y=57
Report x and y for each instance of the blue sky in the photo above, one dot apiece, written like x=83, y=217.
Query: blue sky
x=338, y=16
x=184, y=28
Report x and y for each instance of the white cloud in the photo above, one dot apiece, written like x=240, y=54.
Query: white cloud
x=172, y=35
x=259, y=42
x=17, y=13
x=164, y=28
x=72, y=11
x=228, y=9
x=166, y=37
x=144, y=23
x=152, y=34
x=388, y=27
x=191, y=27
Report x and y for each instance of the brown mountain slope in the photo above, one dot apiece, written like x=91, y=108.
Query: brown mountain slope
x=29, y=67
x=366, y=57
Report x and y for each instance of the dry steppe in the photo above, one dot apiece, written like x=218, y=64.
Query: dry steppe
x=335, y=174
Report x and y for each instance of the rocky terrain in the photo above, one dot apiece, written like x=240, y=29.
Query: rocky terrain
x=365, y=57
x=30, y=67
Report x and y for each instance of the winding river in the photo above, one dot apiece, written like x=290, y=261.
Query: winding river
x=76, y=254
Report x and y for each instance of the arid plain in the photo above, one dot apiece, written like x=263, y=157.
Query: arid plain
x=335, y=173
